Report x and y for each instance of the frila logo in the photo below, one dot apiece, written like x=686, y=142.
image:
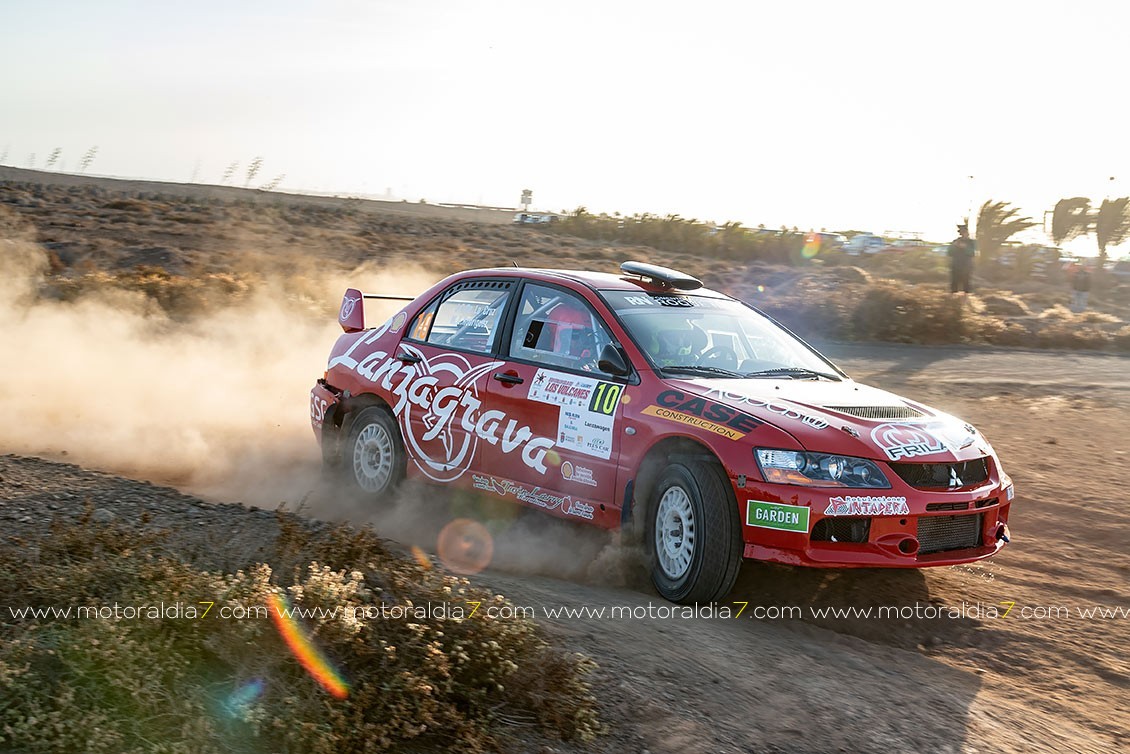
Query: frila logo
x=906, y=441
x=436, y=402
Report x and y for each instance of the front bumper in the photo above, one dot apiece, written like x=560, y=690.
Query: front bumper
x=924, y=528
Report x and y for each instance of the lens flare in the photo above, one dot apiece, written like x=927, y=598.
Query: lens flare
x=421, y=557
x=811, y=246
x=552, y=458
x=308, y=655
x=237, y=704
x=465, y=546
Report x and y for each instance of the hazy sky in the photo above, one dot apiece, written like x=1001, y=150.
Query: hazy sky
x=841, y=115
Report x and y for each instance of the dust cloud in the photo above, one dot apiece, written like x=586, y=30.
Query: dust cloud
x=216, y=404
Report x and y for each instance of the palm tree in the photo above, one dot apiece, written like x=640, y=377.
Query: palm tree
x=1112, y=225
x=1070, y=219
x=996, y=223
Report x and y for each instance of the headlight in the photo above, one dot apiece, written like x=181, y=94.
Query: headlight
x=818, y=469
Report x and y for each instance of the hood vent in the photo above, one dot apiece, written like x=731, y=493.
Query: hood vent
x=879, y=412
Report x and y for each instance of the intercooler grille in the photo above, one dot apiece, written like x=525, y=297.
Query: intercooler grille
x=878, y=412
x=943, y=533
x=932, y=476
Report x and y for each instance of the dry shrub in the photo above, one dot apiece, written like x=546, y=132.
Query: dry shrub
x=849, y=274
x=1121, y=339
x=1004, y=305
x=810, y=308
x=209, y=683
x=1057, y=311
x=1099, y=318
x=1070, y=333
x=909, y=314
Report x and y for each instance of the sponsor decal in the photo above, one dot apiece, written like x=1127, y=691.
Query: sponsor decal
x=1010, y=492
x=907, y=441
x=776, y=516
x=535, y=496
x=578, y=474
x=398, y=322
x=675, y=405
x=423, y=325
x=869, y=505
x=436, y=402
x=660, y=300
x=348, y=304
x=587, y=410
x=768, y=405
x=318, y=408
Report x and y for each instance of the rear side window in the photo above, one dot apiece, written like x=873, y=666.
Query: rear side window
x=467, y=317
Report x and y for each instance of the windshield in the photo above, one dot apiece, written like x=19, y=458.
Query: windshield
x=696, y=335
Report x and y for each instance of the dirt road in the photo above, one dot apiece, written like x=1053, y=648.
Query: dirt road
x=793, y=676
x=1043, y=678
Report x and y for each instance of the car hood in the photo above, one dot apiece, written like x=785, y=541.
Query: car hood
x=848, y=418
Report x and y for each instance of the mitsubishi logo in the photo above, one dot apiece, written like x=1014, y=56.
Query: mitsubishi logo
x=955, y=480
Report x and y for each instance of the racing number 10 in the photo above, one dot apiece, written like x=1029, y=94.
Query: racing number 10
x=605, y=397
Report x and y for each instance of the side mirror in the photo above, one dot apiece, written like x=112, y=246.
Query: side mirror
x=612, y=361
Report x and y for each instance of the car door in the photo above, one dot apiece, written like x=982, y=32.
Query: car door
x=557, y=413
x=447, y=357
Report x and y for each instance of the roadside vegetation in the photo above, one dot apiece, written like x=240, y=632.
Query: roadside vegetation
x=206, y=683
x=186, y=255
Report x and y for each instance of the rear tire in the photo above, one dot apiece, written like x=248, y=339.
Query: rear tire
x=693, y=535
x=372, y=456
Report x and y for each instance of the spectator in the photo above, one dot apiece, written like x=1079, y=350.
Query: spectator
x=961, y=252
x=1080, y=286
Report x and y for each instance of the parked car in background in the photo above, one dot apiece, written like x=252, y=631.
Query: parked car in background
x=1119, y=270
x=825, y=241
x=1048, y=262
x=908, y=244
x=534, y=218
x=864, y=243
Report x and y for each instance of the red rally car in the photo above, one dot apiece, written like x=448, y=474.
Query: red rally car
x=646, y=400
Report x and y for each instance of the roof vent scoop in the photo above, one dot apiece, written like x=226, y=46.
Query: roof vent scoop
x=662, y=276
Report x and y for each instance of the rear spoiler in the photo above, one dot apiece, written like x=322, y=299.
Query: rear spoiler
x=351, y=316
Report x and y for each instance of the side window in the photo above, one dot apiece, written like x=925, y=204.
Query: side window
x=466, y=317
x=558, y=328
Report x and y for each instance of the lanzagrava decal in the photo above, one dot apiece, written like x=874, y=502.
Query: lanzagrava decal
x=442, y=426
x=587, y=411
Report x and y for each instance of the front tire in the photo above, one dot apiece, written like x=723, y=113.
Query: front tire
x=693, y=533
x=372, y=457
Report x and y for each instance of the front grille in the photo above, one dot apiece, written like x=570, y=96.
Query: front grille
x=856, y=530
x=933, y=476
x=947, y=506
x=878, y=412
x=943, y=533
